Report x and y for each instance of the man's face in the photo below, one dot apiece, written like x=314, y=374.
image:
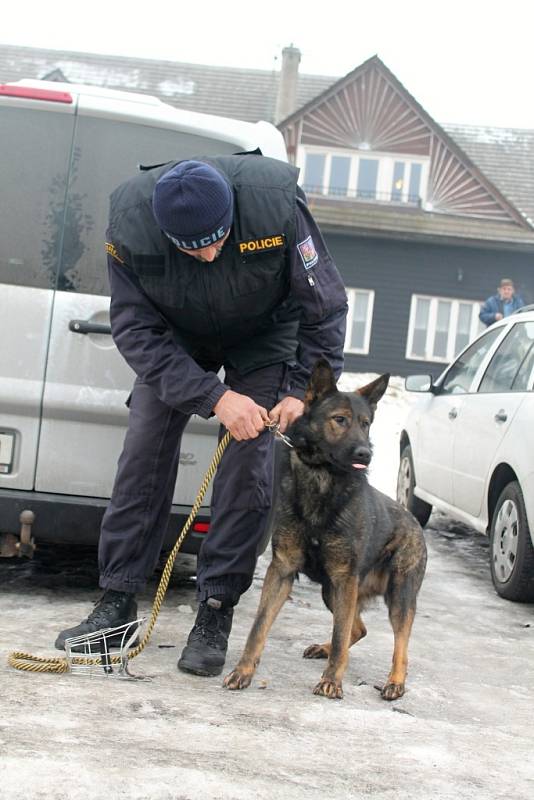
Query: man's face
x=506, y=292
x=206, y=254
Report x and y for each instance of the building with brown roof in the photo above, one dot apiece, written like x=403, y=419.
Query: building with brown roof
x=422, y=219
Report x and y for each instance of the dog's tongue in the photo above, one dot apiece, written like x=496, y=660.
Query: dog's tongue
x=359, y=466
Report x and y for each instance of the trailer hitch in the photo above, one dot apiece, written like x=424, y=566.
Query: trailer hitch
x=22, y=545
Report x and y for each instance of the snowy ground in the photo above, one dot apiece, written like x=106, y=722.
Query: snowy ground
x=463, y=731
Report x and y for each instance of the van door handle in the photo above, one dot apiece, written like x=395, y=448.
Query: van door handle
x=84, y=326
x=501, y=416
x=453, y=413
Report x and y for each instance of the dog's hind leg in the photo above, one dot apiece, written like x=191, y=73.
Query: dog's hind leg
x=344, y=605
x=276, y=588
x=358, y=631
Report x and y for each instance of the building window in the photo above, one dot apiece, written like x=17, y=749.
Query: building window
x=339, y=175
x=414, y=186
x=441, y=327
x=367, y=178
x=359, y=320
x=348, y=174
x=398, y=181
x=314, y=175
x=407, y=182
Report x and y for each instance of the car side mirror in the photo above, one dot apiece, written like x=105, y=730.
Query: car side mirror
x=419, y=383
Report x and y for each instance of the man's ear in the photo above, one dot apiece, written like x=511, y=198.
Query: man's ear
x=321, y=383
x=374, y=390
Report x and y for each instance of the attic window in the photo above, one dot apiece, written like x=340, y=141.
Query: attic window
x=375, y=177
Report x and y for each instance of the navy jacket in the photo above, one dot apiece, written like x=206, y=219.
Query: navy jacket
x=148, y=340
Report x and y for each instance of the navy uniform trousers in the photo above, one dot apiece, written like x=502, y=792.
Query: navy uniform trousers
x=136, y=519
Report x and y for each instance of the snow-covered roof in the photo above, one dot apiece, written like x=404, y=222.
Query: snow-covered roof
x=504, y=155
x=247, y=94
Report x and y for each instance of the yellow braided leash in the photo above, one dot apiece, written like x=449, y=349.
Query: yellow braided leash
x=28, y=663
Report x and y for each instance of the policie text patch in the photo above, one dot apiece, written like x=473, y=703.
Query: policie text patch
x=308, y=253
x=267, y=244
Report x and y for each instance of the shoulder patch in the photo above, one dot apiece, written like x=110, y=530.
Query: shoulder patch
x=308, y=253
x=111, y=250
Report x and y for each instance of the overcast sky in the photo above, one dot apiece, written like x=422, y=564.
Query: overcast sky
x=469, y=61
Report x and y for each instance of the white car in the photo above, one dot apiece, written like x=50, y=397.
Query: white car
x=467, y=448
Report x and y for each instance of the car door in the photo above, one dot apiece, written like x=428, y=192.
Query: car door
x=487, y=414
x=437, y=426
x=35, y=145
x=433, y=454
x=87, y=382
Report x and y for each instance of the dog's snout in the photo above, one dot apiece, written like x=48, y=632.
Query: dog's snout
x=362, y=454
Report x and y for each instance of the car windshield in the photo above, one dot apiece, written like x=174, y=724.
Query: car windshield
x=460, y=375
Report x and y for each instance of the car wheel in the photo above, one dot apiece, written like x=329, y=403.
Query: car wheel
x=406, y=485
x=511, y=550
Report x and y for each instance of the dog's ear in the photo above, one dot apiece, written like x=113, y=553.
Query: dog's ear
x=374, y=390
x=321, y=383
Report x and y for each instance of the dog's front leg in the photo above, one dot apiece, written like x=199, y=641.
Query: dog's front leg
x=402, y=626
x=345, y=598
x=276, y=587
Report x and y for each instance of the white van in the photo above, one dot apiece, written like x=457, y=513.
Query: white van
x=63, y=384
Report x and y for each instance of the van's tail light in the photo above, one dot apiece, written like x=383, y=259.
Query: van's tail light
x=201, y=527
x=31, y=93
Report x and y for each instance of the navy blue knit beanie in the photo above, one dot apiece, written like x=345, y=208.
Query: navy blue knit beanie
x=193, y=205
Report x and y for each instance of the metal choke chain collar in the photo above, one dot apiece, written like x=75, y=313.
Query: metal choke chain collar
x=274, y=427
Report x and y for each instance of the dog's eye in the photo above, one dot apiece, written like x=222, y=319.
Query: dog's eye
x=365, y=424
x=341, y=420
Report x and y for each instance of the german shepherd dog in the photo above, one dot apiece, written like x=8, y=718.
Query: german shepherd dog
x=338, y=530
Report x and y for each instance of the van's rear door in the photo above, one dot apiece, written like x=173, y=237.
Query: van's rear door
x=87, y=382
x=36, y=138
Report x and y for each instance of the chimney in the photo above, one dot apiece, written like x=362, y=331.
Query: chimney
x=287, y=86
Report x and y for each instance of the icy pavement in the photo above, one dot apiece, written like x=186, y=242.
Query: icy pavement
x=463, y=731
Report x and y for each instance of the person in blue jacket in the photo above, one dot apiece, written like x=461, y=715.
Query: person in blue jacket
x=500, y=305
x=214, y=263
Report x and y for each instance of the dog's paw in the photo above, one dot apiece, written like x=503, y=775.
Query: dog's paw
x=330, y=689
x=317, y=651
x=238, y=679
x=392, y=691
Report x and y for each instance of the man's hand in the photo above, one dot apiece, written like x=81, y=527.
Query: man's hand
x=498, y=316
x=286, y=412
x=241, y=415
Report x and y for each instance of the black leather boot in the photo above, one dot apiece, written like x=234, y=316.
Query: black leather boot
x=113, y=609
x=205, y=651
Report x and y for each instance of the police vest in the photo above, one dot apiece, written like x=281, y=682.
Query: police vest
x=236, y=307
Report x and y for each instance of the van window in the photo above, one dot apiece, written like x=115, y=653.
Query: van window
x=106, y=153
x=34, y=156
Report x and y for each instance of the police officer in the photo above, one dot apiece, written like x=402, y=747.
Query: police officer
x=213, y=262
